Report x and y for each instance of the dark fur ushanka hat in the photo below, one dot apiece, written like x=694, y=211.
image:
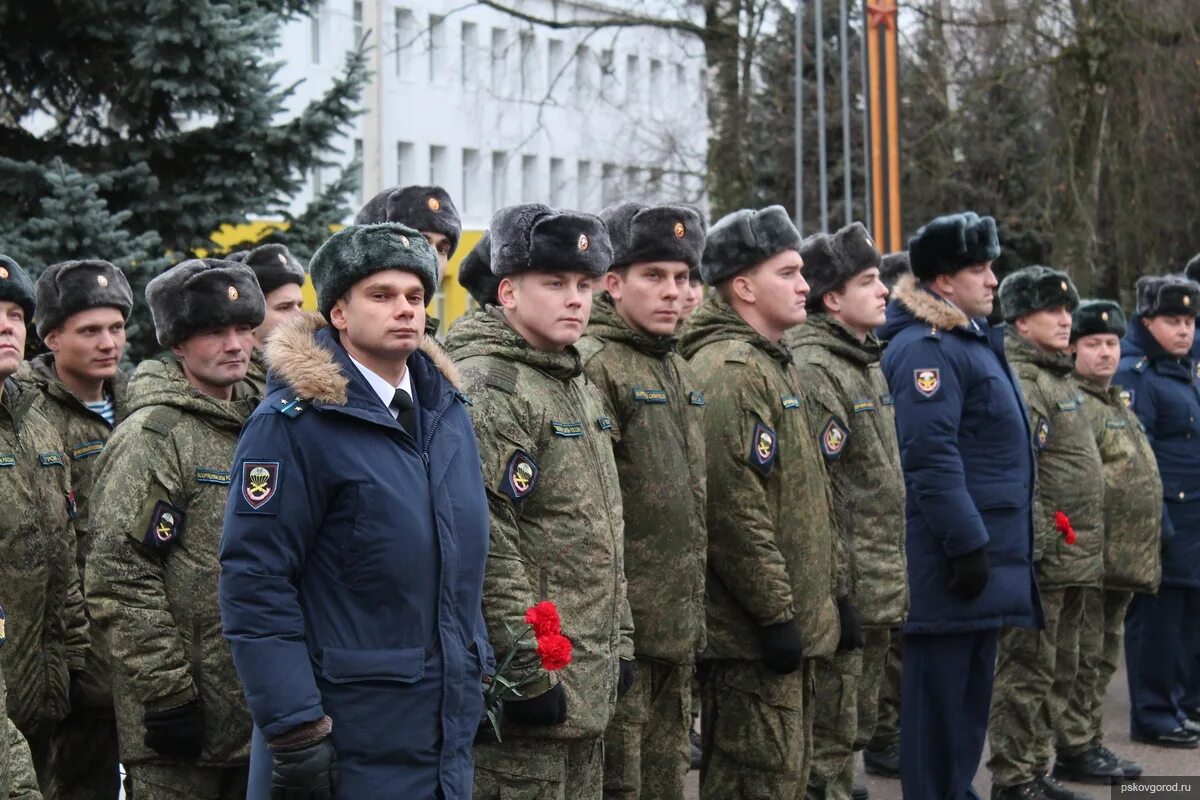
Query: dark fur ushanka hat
x=831, y=259
x=893, y=267
x=1097, y=316
x=15, y=286
x=948, y=244
x=745, y=239
x=641, y=233
x=203, y=294
x=357, y=251
x=535, y=238
x=475, y=273
x=273, y=265
x=1035, y=288
x=1192, y=270
x=1167, y=295
x=422, y=208
x=69, y=287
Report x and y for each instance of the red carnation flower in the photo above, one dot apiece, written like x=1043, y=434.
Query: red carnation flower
x=543, y=617
x=1063, y=523
x=555, y=651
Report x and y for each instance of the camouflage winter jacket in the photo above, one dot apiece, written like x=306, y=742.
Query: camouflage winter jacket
x=545, y=440
x=851, y=413
x=1070, y=475
x=256, y=374
x=771, y=541
x=157, y=514
x=1132, y=492
x=17, y=778
x=658, y=410
x=40, y=593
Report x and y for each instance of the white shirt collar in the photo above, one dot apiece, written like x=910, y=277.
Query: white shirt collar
x=381, y=387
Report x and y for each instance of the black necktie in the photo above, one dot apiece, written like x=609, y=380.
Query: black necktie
x=402, y=404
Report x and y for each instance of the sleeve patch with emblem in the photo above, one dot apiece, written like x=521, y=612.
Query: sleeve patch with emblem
x=927, y=380
x=1041, y=432
x=166, y=525
x=520, y=476
x=833, y=438
x=260, y=487
x=764, y=446
x=1126, y=396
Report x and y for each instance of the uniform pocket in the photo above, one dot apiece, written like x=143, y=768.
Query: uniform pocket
x=760, y=720
x=357, y=666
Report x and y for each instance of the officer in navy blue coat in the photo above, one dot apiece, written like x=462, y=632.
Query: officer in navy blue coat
x=968, y=462
x=355, y=540
x=1158, y=378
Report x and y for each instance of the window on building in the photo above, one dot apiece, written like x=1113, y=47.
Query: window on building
x=499, y=179
x=529, y=180
x=610, y=189
x=633, y=80
x=583, y=74
x=469, y=201
x=314, y=33
x=554, y=65
x=608, y=74
x=528, y=47
x=632, y=188
x=583, y=185
x=358, y=22
x=558, y=183
x=657, y=90
x=437, y=48
x=358, y=159
x=404, y=42
x=437, y=165
x=680, y=90
x=470, y=55
x=406, y=168
x=499, y=54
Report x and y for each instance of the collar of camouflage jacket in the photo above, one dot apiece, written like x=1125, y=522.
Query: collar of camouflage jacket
x=488, y=333
x=40, y=372
x=825, y=332
x=715, y=321
x=162, y=383
x=606, y=323
x=1020, y=351
x=13, y=401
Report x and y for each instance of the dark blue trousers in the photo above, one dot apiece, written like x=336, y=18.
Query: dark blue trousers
x=945, y=696
x=1162, y=645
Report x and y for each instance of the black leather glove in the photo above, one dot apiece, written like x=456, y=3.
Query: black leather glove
x=851, y=637
x=782, y=647
x=176, y=732
x=969, y=574
x=626, y=676
x=548, y=708
x=75, y=694
x=486, y=732
x=305, y=773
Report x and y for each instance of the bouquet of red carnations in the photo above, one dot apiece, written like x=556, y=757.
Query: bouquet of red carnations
x=553, y=649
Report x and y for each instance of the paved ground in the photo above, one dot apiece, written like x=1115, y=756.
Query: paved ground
x=1156, y=761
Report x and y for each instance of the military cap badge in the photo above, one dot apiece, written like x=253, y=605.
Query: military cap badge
x=927, y=381
x=232, y=292
x=680, y=230
x=3, y=273
x=434, y=204
x=102, y=280
x=584, y=244
x=520, y=476
x=764, y=446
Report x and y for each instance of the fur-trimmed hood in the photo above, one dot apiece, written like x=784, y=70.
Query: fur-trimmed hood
x=311, y=369
x=922, y=305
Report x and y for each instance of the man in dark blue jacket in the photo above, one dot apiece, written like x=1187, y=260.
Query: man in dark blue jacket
x=967, y=454
x=1158, y=379
x=355, y=541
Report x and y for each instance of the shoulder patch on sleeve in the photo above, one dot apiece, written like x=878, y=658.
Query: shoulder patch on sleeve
x=166, y=525
x=833, y=438
x=1126, y=397
x=162, y=419
x=1041, y=432
x=502, y=377
x=927, y=380
x=764, y=447
x=260, y=488
x=520, y=476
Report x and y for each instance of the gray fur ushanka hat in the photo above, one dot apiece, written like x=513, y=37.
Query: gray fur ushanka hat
x=745, y=239
x=532, y=237
x=831, y=259
x=203, y=294
x=67, y=288
x=641, y=233
x=1034, y=289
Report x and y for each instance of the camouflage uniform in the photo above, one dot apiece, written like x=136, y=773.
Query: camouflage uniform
x=47, y=632
x=887, y=711
x=1035, y=669
x=83, y=755
x=556, y=534
x=660, y=461
x=771, y=557
x=256, y=374
x=1132, y=557
x=152, y=584
x=18, y=781
x=851, y=414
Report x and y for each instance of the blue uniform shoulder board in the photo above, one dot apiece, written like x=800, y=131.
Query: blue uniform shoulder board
x=520, y=476
x=290, y=407
x=764, y=447
x=166, y=526
x=934, y=332
x=1140, y=365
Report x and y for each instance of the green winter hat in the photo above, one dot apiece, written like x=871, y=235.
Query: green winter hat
x=1097, y=316
x=831, y=259
x=947, y=244
x=1167, y=295
x=357, y=251
x=475, y=273
x=69, y=287
x=745, y=239
x=1035, y=288
x=15, y=286
x=203, y=294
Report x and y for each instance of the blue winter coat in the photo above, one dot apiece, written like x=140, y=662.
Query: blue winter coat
x=1164, y=394
x=352, y=568
x=968, y=462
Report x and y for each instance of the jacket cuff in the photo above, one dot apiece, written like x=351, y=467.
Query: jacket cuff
x=302, y=736
x=173, y=700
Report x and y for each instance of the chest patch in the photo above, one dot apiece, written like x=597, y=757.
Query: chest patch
x=7, y=460
x=604, y=423
x=87, y=450
x=927, y=381
x=696, y=398
x=657, y=396
x=1041, y=433
x=520, y=476
x=166, y=525
x=51, y=459
x=863, y=405
x=790, y=401
x=208, y=475
x=568, y=429
x=833, y=438
x=764, y=447
x=1067, y=405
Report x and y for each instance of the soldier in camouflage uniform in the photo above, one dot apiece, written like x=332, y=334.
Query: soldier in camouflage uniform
x=280, y=276
x=41, y=604
x=851, y=413
x=82, y=307
x=545, y=440
x=18, y=781
x=157, y=512
x=629, y=354
x=771, y=547
x=1132, y=531
x=1035, y=670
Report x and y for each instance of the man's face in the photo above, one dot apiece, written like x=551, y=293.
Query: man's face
x=216, y=359
x=779, y=290
x=549, y=309
x=972, y=289
x=693, y=296
x=862, y=303
x=89, y=344
x=649, y=296
x=441, y=245
x=1173, y=332
x=383, y=315
x=1048, y=329
x=1097, y=356
x=282, y=304
x=12, y=338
